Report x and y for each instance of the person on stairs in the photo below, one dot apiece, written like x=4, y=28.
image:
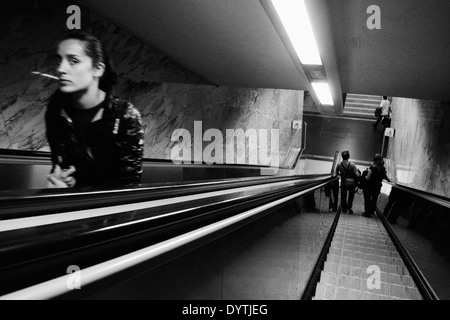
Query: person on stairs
x=377, y=172
x=385, y=112
x=332, y=192
x=349, y=173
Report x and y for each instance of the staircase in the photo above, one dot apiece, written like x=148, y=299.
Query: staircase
x=358, y=245
x=361, y=106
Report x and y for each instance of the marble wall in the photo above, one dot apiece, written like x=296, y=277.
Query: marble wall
x=419, y=153
x=168, y=96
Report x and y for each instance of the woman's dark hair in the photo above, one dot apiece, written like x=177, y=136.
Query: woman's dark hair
x=377, y=157
x=96, y=51
x=384, y=97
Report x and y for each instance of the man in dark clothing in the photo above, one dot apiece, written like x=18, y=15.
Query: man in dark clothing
x=332, y=192
x=349, y=173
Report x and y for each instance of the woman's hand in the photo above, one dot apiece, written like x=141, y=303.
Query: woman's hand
x=61, y=178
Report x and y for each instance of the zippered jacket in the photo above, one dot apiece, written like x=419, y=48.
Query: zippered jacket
x=108, y=153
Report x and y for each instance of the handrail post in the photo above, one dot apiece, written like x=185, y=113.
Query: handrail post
x=304, y=137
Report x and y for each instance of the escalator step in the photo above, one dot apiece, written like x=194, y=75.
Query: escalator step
x=363, y=273
x=359, y=248
x=389, y=268
x=363, y=243
x=387, y=289
x=367, y=257
x=361, y=253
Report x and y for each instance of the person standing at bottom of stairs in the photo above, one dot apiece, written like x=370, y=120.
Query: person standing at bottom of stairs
x=349, y=173
x=377, y=172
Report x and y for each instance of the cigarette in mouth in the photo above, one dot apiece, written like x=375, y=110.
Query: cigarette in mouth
x=45, y=75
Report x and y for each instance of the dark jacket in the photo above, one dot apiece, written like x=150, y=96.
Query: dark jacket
x=108, y=153
x=378, y=174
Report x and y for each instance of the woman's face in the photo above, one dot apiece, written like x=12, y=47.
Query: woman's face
x=75, y=68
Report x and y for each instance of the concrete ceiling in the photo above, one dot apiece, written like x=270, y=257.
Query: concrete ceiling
x=238, y=43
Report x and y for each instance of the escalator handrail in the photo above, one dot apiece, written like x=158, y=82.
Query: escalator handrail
x=60, y=203
x=45, y=250
x=440, y=200
x=58, y=286
x=421, y=282
x=44, y=157
x=35, y=220
x=311, y=285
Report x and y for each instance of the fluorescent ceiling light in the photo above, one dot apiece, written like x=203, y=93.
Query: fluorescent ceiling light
x=323, y=92
x=296, y=22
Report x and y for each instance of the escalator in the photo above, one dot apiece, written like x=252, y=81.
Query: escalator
x=374, y=259
x=364, y=264
x=118, y=234
x=260, y=238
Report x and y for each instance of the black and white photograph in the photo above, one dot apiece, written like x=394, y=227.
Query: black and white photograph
x=225, y=158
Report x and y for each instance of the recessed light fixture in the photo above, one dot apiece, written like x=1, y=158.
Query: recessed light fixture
x=323, y=92
x=316, y=74
x=294, y=17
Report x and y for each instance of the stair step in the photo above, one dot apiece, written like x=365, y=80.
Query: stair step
x=360, y=230
x=366, y=240
x=340, y=293
x=368, y=112
x=359, y=219
x=387, y=289
x=367, y=256
x=398, y=268
x=379, y=252
x=366, y=237
x=353, y=245
x=364, y=244
x=363, y=273
x=363, y=104
x=357, y=107
x=362, y=96
x=359, y=223
x=364, y=116
x=324, y=292
x=362, y=236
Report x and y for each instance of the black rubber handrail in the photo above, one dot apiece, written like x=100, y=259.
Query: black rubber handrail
x=419, y=279
x=310, y=288
x=98, y=249
x=437, y=199
x=37, y=239
x=32, y=203
x=40, y=156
